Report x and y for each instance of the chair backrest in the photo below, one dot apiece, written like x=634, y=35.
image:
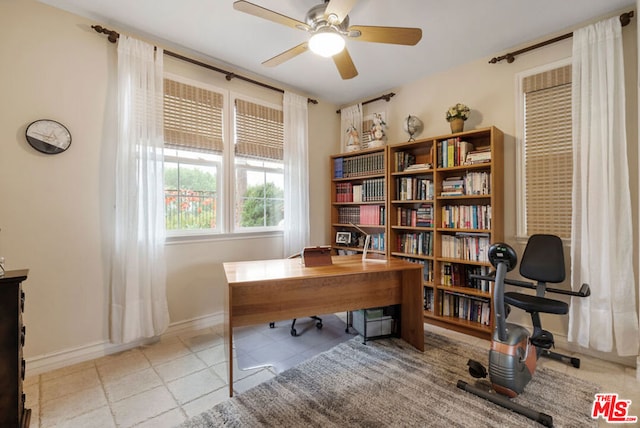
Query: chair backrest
x=543, y=259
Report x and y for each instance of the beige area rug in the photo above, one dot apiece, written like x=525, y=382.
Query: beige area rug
x=387, y=383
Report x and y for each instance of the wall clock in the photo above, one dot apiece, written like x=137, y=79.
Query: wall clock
x=48, y=136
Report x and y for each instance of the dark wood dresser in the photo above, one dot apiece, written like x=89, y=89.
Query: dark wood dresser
x=12, y=365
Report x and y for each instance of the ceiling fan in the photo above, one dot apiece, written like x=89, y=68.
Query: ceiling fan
x=328, y=24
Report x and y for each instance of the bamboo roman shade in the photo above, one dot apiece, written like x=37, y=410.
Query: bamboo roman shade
x=259, y=131
x=192, y=117
x=548, y=152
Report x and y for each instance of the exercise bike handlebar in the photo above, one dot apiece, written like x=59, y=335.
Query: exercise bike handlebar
x=584, y=291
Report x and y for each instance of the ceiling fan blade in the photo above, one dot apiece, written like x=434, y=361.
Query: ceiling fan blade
x=339, y=8
x=346, y=67
x=261, y=12
x=395, y=35
x=287, y=55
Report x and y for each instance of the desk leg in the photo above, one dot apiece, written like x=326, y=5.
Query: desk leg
x=228, y=336
x=230, y=361
x=412, y=318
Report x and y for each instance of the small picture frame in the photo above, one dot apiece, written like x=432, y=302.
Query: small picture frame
x=343, y=238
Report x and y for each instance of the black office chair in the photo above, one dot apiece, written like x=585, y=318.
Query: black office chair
x=293, y=330
x=543, y=262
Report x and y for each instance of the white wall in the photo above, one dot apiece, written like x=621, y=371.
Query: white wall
x=56, y=211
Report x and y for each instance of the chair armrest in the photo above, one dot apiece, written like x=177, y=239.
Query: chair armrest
x=584, y=291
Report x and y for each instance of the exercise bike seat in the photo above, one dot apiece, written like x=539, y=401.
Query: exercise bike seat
x=531, y=303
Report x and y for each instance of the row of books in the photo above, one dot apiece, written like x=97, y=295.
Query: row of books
x=472, y=183
x=402, y=160
x=371, y=190
x=466, y=216
x=415, y=217
x=414, y=188
x=428, y=298
x=406, y=161
x=416, y=243
x=453, y=152
x=359, y=165
x=427, y=267
x=377, y=243
x=465, y=246
x=466, y=307
x=456, y=274
x=362, y=214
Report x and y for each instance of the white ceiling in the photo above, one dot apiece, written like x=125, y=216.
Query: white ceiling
x=453, y=33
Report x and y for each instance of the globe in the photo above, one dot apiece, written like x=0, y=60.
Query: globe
x=412, y=126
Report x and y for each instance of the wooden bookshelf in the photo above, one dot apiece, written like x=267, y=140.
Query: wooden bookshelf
x=359, y=199
x=466, y=206
x=431, y=202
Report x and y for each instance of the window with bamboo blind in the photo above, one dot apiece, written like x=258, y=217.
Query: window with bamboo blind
x=259, y=166
x=547, y=152
x=199, y=122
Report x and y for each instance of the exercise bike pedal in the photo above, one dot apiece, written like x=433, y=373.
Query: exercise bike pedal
x=476, y=369
x=543, y=340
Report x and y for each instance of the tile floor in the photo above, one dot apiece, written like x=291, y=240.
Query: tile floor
x=163, y=384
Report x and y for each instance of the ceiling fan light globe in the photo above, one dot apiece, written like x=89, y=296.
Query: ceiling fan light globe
x=326, y=43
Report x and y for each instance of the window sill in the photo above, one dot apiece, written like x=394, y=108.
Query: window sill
x=200, y=237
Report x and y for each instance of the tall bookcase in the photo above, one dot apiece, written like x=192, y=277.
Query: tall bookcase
x=444, y=212
x=359, y=200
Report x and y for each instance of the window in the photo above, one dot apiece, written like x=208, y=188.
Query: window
x=545, y=152
x=197, y=162
x=259, y=165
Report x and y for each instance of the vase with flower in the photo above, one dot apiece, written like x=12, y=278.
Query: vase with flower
x=456, y=115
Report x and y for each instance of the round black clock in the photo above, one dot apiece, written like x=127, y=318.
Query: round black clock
x=48, y=136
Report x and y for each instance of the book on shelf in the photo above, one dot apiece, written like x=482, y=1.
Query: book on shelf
x=453, y=152
x=478, y=156
x=371, y=190
x=418, y=166
x=465, y=246
x=359, y=165
x=466, y=307
x=452, y=186
x=466, y=216
x=420, y=244
x=337, y=167
x=371, y=215
x=403, y=160
x=414, y=188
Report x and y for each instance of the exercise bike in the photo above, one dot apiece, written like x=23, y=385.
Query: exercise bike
x=514, y=351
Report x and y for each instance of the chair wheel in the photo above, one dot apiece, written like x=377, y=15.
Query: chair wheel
x=318, y=325
x=272, y=325
x=294, y=332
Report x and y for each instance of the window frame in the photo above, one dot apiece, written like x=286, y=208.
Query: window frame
x=226, y=177
x=521, y=203
x=232, y=220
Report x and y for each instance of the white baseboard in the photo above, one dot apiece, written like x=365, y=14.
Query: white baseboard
x=67, y=357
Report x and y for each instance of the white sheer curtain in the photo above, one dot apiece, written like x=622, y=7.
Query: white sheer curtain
x=138, y=273
x=350, y=116
x=296, y=173
x=602, y=233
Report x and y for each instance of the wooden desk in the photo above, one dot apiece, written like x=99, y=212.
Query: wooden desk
x=274, y=290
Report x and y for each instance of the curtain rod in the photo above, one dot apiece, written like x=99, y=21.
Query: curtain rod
x=625, y=19
x=385, y=97
x=113, y=37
